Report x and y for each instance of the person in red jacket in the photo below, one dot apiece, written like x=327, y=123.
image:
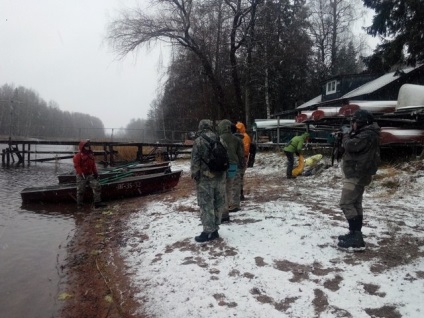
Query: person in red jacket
x=86, y=170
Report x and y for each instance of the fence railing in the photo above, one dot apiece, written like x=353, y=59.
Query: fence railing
x=119, y=135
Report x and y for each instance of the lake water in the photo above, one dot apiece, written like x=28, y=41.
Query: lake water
x=33, y=242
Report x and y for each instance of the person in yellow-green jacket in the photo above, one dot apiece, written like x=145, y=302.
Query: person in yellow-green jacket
x=294, y=147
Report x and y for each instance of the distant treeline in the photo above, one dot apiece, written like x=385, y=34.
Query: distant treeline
x=23, y=113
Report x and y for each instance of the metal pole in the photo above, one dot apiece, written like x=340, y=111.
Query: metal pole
x=11, y=120
x=278, y=130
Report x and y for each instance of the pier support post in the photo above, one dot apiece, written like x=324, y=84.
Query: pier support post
x=8, y=156
x=139, y=153
x=105, y=153
x=112, y=160
x=29, y=153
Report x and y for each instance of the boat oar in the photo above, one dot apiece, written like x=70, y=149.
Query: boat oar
x=122, y=166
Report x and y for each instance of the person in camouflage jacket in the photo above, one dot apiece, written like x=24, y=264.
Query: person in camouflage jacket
x=360, y=162
x=210, y=186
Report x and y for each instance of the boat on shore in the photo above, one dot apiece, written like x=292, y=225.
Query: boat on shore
x=121, y=187
x=107, y=174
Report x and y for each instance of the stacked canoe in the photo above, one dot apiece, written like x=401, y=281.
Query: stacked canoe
x=401, y=120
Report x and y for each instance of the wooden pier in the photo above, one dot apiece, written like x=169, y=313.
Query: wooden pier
x=22, y=149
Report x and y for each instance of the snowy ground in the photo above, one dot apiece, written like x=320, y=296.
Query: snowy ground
x=278, y=257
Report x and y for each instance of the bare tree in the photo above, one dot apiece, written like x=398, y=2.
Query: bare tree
x=178, y=22
x=216, y=41
x=243, y=20
x=331, y=28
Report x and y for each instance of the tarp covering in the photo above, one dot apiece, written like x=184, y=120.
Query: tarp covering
x=313, y=160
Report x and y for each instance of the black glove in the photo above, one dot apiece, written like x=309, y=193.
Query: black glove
x=196, y=176
x=297, y=153
x=96, y=176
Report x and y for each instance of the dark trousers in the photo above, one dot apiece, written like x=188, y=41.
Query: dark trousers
x=290, y=163
x=351, y=200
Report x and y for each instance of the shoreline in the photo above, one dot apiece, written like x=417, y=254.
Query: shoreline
x=97, y=280
x=96, y=284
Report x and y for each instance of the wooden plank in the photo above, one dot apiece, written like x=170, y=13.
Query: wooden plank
x=61, y=157
x=51, y=158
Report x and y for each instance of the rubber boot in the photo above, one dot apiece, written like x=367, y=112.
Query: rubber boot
x=360, y=220
x=353, y=243
x=344, y=237
x=225, y=217
x=204, y=237
x=352, y=225
x=242, y=198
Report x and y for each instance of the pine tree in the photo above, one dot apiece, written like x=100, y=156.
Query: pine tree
x=400, y=23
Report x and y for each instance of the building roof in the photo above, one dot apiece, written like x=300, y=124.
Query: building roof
x=378, y=83
x=311, y=102
x=366, y=88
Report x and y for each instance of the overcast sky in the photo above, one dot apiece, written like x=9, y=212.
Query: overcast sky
x=57, y=48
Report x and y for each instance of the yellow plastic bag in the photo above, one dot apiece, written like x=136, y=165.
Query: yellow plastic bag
x=299, y=168
x=313, y=160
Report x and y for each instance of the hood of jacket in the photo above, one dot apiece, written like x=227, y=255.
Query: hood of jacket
x=305, y=135
x=205, y=124
x=82, y=144
x=241, y=128
x=224, y=126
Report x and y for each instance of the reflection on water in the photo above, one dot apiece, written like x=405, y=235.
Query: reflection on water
x=33, y=242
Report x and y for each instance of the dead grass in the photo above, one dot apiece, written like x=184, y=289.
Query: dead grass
x=389, y=172
x=129, y=153
x=393, y=184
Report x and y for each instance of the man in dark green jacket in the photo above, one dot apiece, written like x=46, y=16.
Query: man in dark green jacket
x=235, y=153
x=360, y=163
x=294, y=147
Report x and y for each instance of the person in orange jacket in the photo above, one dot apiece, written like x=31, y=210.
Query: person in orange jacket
x=86, y=171
x=241, y=129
